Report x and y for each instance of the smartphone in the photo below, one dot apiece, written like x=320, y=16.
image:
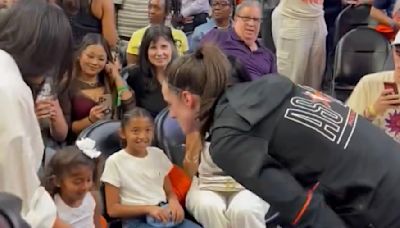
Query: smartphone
x=392, y=86
x=106, y=101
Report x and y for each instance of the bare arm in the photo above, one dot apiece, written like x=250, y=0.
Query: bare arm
x=59, y=126
x=382, y=18
x=116, y=210
x=60, y=224
x=97, y=210
x=177, y=213
x=108, y=23
x=192, y=154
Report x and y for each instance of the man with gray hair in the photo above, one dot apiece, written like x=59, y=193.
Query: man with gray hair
x=241, y=40
x=299, y=33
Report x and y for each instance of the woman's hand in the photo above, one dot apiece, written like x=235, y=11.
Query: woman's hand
x=96, y=113
x=45, y=109
x=112, y=69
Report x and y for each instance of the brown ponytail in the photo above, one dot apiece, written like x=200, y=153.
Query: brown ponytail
x=205, y=73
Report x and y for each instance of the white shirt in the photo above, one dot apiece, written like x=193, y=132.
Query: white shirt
x=21, y=146
x=193, y=7
x=78, y=217
x=140, y=180
x=301, y=9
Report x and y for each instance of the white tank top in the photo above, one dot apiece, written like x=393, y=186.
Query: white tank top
x=301, y=9
x=78, y=217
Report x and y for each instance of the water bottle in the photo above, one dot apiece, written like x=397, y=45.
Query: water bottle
x=46, y=93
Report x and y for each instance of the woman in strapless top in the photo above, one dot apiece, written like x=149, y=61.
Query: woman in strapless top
x=97, y=92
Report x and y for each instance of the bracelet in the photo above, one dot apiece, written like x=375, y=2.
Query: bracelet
x=120, y=90
x=90, y=119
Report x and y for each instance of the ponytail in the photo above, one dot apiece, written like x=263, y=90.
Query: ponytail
x=205, y=73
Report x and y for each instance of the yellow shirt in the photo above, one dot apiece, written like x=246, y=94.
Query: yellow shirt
x=179, y=37
x=367, y=92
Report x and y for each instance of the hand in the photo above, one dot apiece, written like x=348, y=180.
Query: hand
x=386, y=100
x=177, y=213
x=57, y=111
x=44, y=109
x=112, y=69
x=97, y=113
x=160, y=214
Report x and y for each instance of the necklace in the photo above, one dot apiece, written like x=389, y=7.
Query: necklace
x=90, y=84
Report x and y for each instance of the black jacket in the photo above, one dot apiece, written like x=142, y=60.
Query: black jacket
x=314, y=160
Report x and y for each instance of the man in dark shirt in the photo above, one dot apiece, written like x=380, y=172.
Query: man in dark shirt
x=241, y=41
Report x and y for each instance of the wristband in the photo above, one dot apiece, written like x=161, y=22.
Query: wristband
x=120, y=90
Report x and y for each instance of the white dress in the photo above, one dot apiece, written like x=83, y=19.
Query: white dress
x=21, y=149
x=77, y=217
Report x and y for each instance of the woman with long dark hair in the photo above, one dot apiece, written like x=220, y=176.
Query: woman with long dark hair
x=156, y=52
x=35, y=39
x=97, y=91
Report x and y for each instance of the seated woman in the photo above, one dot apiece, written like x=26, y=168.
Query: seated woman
x=97, y=91
x=156, y=52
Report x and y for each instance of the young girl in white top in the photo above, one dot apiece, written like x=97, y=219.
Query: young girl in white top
x=71, y=175
x=137, y=186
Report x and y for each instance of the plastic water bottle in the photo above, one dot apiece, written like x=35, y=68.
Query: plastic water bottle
x=46, y=93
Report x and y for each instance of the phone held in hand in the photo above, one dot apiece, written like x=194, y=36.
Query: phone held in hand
x=106, y=101
x=392, y=86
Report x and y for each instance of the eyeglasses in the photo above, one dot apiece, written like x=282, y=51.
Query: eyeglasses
x=220, y=4
x=248, y=19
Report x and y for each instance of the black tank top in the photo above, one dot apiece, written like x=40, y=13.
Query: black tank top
x=84, y=22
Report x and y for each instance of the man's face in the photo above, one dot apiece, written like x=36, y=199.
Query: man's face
x=156, y=11
x=247, y=23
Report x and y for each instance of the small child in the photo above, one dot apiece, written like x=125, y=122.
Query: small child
x=70, y=176
x=137, y=186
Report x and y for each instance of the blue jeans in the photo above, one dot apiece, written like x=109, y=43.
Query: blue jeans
x=141, y=223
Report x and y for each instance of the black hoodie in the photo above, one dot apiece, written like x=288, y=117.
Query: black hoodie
x=314, y=160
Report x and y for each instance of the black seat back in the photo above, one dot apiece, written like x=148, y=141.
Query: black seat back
x=361, y=51
x=105, y=134
x=349, y=18
x=169, y=137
